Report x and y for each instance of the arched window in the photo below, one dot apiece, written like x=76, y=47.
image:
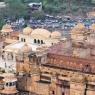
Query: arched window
x=38, y=41
x=42, y=42
x=6, y=84
x=24, y=40
x=21, y=39
x=14, y=83
x=35, y=41
x=10, y=84
x=3, y=47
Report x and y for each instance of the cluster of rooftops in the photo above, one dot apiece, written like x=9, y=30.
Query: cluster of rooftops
x=78, y=45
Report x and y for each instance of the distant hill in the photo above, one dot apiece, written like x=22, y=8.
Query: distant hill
x=65, y=6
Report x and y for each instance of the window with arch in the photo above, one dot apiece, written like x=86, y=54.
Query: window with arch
x=17, y=38
x=24, y=40
x=14, y=83
x=10, y=84
x=38, y=41
x=6, y=84
x=21, y=39
x=42, y=42
x=35, y=41
x=3, y=47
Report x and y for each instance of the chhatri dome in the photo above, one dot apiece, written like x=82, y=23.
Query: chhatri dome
x=27, y=30
x=7, y=28
x=11, y=80
x=55, y=34
x=26, y=48
x=78, y=29
x=41, y=32
x=92, y=27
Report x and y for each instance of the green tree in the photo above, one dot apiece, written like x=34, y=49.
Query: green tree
x=38, y=14
x=15, y=8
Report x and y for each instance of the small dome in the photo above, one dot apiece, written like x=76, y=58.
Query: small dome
x=92, y=27
x=9, y=78
x=7, y=28
x=27, y=30
x=42, y=32
x=78, y=29
x=26, y=48
x=56, y=34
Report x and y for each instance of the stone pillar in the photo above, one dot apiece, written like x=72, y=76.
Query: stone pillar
x=14, y=57
x=59, y=90
x=34, y=78
x=5, y=56
x=77, y=85
x=77, y=88
x=53, y=85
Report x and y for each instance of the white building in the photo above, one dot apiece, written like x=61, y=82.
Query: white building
x=30, y=40
x=35, y=6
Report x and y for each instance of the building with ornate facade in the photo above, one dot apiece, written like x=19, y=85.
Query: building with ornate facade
x=33, y=38
x=66, y=68
x=58, y=66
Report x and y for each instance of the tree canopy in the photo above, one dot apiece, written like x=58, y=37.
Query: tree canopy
x=18, y=8
x=15, y=8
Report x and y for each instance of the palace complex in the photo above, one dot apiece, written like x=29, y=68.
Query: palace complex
x=46, y=63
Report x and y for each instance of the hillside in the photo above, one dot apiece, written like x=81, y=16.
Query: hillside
x=18, y=8
x=65, y=6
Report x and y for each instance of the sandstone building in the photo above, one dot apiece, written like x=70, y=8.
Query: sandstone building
x=66, y=68
x=56, y=66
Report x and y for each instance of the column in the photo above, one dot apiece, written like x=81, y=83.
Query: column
x=5, y=56
x=14, y=57
x=77, y=89
x=53, y=85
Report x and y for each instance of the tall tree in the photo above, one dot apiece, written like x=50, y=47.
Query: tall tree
x=15, y=8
